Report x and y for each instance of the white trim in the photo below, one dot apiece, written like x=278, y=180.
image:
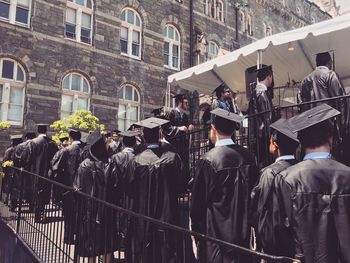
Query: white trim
x=172, y=42
x=128, y=104
x=13, y=12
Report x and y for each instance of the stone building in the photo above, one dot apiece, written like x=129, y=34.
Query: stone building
x=113, y=56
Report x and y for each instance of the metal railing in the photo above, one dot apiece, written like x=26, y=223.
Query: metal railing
x=78, y=227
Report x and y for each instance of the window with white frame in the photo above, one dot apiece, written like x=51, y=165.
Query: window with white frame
x=171, y=52
x=214, y=9
x=12, y=87
x=130, y=33
x=15, y=11
x=249, y=25
x=129, y=107
x=213, y=50
x=75, y=94
x=79, y=14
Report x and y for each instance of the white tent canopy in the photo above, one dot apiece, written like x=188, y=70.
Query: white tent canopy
x=328, y=35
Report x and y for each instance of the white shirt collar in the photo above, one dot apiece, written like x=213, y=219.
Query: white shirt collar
x=128, y=150
x=322, y=67
x=261, y=87
x=317, y=155
x=42, y=135
x=224, y=142
x=76, y=142
x=285, y=157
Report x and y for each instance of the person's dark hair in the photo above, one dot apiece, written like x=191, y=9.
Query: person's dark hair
x=179, y=99
x=224, y=126
x=151, y=135
x=42, y=129
x=286, y=145
x=323, y=59
x=262, y=76
x=316, y=135
x=129, y=141
x=75, y=135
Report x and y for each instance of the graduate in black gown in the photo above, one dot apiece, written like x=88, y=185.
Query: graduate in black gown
x=314, y=195
x=153, y=184
x=96, y=231
x=283, y=145
x=8, y=181
x=64, y=169
x=37, y=156
x=220, y=200
x=178, y=134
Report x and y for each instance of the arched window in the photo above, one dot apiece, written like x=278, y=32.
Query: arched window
x=220, y=10
x=214, y=9
x=75, y=94
x=129, y=107
x=12, y=86
x=205, y=7
x=15, y=11
x=171, y=52
x=213, y=50
x=79, y=15
x=130, y=33
x=243, y=22
x=249, y=25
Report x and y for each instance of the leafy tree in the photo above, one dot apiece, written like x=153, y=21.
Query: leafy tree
x=4, y=125
x=82, y=119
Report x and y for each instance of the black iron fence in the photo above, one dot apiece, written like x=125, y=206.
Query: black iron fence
x=76, y=227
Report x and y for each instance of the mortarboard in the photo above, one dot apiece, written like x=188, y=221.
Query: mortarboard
x=152, y=123
x=129, y=133
x=16, y=137
x=282, y=126
x=311, y=117
x=221, y=88
x=74, y=131
x=263, y=72
x=157, y=111
x=84, y=136
x=227, y=116
x=97, y=145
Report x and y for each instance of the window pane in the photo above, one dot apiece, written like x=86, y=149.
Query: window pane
x=122, y=111
x=80, y=2
x=134, y=113
x=15, y=106
x=135, y=37
x=85, y=35
x=171, y=32
x=70, y=16
x=22, y=15
x=121, y=124
x=166, y=54
x=85, y=86
x=7, y=69
x=177, y=37
x=1, y=87
x=82, y=104
x=16, y=96
x=165, y=31
x=76, y=82
x=86, y=21
x=67, y=103
x=175, y=51
x=136, y=95
x=88, y=4
x=4, y=10
x=66, y=82
x=138, y=23
x=124, y=33
x=70, y=31
x=14, y=113
x=23, y=3
x=128, y=93
x=123, y=16
x=135, y=50
x=130, y=17
x=135, y=43
x=20, y=74
x=124, y=46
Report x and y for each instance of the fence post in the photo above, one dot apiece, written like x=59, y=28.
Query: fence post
x=20, y=200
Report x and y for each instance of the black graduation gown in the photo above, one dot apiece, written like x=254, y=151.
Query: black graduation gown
x=7, y=182
x=180, y=140
x=315, y=197
x=153, y=185
x=259, y=125
x=37, y=155
x=265, y=210
x=64, y=168
x=221, y=199
x=96, y=231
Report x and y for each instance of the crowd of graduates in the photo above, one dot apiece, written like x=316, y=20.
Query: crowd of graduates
x=298, y=206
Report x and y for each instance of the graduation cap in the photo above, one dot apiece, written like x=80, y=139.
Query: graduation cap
x=98, y=146
x=152, y=123
x=312, y=117
x=264, y=72
x=16, y=139
x=129, y=133
x=282, y=126
x=157, y=111
x=227, y=116
x=42, y=127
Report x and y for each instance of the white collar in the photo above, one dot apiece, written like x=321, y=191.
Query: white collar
x=76, y=142
x=42, y=135
x=318, y=155
x=285, y=157
x=224, y=142
x=128, y=150
x=261, y=87
x=322, y=67
x=179, y=110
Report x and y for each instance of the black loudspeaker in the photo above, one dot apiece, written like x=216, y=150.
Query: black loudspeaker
x=251, y=81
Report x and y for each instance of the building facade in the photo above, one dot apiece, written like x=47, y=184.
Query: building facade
x=113, y=57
